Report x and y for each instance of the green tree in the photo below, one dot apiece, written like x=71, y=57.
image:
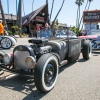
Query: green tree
x=74, y=29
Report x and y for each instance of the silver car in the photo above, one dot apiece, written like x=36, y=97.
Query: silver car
x=65, y=34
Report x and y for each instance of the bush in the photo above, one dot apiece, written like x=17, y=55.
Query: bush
x=17, y=29
x=9, y=32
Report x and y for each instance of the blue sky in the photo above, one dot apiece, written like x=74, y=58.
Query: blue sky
x=67, y=14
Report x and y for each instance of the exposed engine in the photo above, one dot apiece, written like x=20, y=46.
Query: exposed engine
x=45, y=49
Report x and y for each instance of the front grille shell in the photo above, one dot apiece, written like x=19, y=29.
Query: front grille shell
x=21, y=52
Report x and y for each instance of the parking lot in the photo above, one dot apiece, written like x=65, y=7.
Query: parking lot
x=79, y=80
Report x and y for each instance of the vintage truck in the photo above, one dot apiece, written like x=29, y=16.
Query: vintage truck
x=44, y=57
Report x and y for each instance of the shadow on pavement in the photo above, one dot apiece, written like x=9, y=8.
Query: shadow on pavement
x=26, y=85
x=70, y=64
x=23, y=84
x=96, y=52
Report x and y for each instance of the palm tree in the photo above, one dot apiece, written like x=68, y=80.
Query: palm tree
x=23, y=7
x=87, y=9
x=52, y=8
x=79, y=3
x=89, y=4
x=84, y=10
x=8, y=6
x=57, y=14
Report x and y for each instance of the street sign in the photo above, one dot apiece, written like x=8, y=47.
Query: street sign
x=91, y=16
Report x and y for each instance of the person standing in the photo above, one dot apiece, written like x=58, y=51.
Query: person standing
x=38, y=30
x=46, y=30
x=1, y=28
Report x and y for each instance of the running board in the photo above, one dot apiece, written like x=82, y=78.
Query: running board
x=64, y=62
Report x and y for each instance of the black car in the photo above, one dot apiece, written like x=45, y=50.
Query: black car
x=43, y=59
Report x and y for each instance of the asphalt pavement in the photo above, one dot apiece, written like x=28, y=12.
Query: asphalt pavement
x=79, y=80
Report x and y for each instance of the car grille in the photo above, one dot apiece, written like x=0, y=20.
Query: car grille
x=19, y=60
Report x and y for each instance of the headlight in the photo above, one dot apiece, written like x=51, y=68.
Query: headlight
x=7, y=59
x=30, y=62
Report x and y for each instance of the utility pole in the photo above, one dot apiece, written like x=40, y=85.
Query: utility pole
x=3, y=16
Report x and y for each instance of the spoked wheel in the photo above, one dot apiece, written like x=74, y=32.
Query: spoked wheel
x=46, y=72
x=6, y=43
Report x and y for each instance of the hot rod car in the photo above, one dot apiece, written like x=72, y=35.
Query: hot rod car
x=7, y=42
x=43, y=59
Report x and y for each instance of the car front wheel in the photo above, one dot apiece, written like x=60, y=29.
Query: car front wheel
x=46, y=72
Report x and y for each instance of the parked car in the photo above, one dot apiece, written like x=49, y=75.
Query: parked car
x=94, y=37
x=65, y=34
x=43, y=59
x=7, y=42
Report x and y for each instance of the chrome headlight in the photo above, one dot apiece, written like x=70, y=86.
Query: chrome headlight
x=30, y=62
x=7, y=59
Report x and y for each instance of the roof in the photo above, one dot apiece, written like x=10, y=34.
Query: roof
x=26, y=19
x=63, y=25
x=9, y=16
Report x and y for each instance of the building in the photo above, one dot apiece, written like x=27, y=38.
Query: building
x=10, y=19
x=40, y=16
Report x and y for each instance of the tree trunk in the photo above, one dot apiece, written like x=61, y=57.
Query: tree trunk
x=57, y=14
x=23, y=7
x=87, y=10
x=32, y=4
x=51, y=9
x=3, y=16
x=89, y=6
x=82, y=16
x=19, y=15
x=77, y=18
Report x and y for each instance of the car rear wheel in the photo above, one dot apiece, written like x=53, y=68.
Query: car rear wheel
x=6, y=43
x=46, y=72
x=87, y=49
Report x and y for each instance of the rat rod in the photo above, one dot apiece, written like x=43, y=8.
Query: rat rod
x=44, y=57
